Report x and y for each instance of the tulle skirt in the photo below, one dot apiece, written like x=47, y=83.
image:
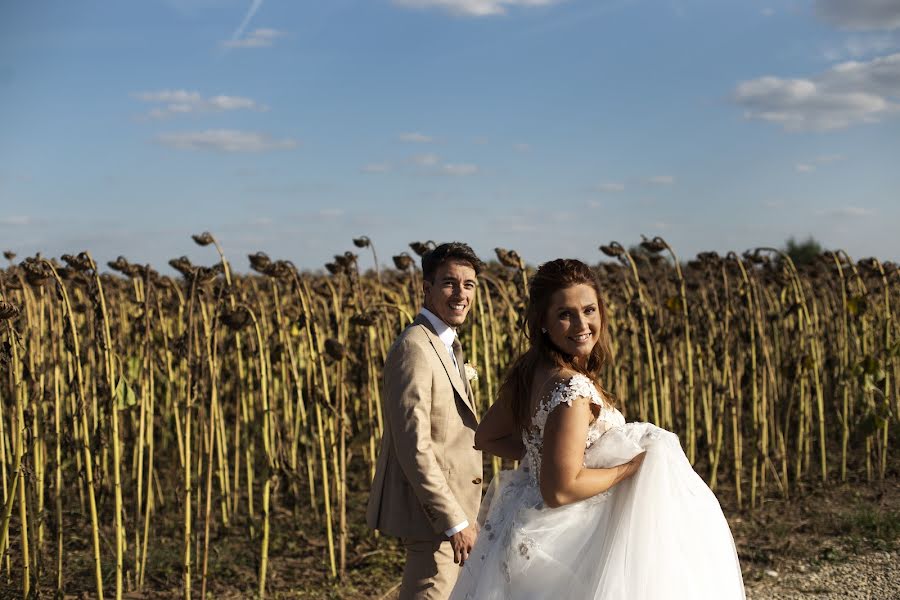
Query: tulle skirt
x=659, y=535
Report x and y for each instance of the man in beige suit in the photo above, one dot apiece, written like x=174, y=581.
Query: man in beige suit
x=427, y=485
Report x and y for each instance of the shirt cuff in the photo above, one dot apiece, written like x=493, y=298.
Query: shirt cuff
x=456, y=529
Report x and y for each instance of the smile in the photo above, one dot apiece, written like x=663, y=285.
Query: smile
x=458, y=306
x=580, y=338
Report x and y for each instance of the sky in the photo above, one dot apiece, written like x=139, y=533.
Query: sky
x=545, y=126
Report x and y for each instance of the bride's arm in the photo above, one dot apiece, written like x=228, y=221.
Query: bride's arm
x=497, y=433
x=564, y=478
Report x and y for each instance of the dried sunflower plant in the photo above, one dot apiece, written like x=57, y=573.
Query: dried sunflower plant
x=209, y=400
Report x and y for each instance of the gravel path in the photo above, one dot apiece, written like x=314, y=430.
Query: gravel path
x=872, y=576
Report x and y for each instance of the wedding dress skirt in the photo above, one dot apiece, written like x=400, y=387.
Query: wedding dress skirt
x=659, y=535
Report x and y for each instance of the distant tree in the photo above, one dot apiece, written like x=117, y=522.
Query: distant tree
x=802, y=252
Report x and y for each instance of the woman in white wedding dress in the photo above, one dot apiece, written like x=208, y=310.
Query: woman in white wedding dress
x=598, y=508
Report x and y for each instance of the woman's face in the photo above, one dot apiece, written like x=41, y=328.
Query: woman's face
x=573, y=320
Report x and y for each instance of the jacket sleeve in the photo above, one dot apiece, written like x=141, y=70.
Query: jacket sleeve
x=408, y=403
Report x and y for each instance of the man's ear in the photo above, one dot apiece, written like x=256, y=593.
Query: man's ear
x=426, y=287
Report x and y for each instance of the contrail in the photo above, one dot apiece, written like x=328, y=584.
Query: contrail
x=240, y=30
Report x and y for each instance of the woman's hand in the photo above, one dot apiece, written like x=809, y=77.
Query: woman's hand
x=630, y=468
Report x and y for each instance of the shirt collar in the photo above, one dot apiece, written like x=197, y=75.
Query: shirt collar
x=444, y=331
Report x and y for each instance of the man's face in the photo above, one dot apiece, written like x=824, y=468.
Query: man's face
x=451, y=294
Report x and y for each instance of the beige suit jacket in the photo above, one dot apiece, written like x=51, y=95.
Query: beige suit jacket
x=428, y=475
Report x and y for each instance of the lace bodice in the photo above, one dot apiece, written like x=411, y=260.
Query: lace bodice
x=577, y=386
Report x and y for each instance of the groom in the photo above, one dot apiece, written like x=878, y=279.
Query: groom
x=427, y=484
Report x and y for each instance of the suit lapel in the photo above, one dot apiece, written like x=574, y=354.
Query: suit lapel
x=452, y=372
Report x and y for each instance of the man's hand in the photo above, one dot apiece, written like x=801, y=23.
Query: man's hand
x=462, y=543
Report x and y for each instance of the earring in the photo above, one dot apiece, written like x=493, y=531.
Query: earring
x=543, y=330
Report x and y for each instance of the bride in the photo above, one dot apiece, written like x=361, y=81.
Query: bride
x=597, y=508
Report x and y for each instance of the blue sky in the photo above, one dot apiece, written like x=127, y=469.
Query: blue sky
x=547, y=126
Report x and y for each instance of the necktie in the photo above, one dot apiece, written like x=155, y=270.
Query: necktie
x=459, y=359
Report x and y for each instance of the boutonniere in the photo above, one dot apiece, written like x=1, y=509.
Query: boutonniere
x=471, y=372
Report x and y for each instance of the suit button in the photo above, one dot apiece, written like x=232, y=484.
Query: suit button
x=477, y=480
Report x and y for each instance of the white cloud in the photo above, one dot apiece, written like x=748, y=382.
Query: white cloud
x=432, y=163
x=879, y=76
x=232, y=103
x=847, y=211
x=248, y=16
x=225, y=140
x=859, y=15
x=15, y=221
x=767, y=12
x=459, y=170
x=416, y=138
x=521, y=147
x=258, y=38
x=170, y=96
x=862, y=45
x=473, y=8
x=376, y=168
x=610, y=187
x=812, y=165
x=426, y=160
x=849, y=93
x=662, y=180
x=184, y=102
x=331, y=213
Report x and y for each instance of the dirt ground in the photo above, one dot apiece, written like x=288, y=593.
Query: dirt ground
x=836, y=543
x=819, y=545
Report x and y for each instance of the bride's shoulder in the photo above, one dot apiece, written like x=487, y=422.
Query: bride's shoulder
x=558, y=375
x=567, y=385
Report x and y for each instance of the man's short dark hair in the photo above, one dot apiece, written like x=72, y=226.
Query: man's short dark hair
x=433, y=259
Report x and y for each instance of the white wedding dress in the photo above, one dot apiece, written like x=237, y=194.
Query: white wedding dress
x=659, y=535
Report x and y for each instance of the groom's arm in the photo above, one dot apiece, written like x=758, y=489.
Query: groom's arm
x=408, y=402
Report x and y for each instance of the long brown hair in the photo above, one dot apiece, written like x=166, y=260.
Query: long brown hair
x=552, y=276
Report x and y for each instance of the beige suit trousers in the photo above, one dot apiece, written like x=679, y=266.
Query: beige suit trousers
x=430, y=572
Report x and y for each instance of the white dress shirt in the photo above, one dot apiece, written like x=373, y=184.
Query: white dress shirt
x=447, y=335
